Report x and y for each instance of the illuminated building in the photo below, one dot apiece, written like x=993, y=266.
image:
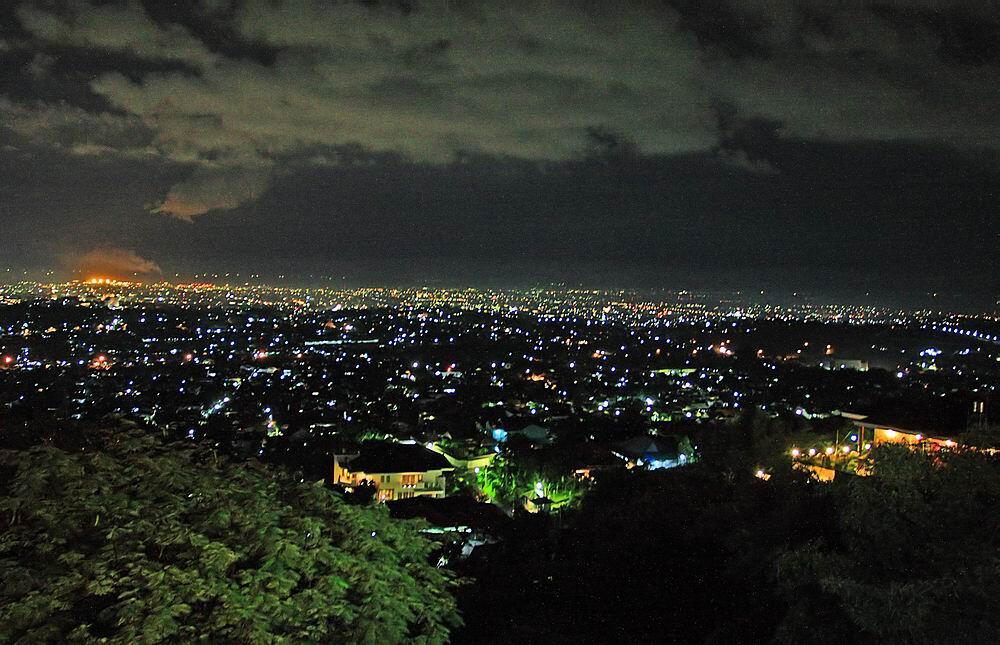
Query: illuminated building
x=397, y=470
x=877, y=432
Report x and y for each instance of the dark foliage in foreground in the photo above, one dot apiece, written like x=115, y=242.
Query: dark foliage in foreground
x=915, y=557
x=910, y=555
x=137, y=541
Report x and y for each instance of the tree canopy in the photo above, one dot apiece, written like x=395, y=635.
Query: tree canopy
x=510, y=480
x=140, y=541
x=915, y=557
x=710, y=553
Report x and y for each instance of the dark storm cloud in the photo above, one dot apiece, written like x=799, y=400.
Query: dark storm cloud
x=525, y=80
x=859, y=216
x=862, y=70
x=236, y=98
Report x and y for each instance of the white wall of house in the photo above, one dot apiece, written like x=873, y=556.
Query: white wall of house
x=394, y=485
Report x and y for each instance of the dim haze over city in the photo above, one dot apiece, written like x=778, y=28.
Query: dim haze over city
x=500, y=321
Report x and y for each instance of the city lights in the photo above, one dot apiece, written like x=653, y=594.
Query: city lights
x=421, y=321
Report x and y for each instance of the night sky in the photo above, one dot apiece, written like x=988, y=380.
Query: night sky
x=840, y=147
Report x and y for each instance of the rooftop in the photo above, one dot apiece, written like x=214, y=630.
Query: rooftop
x=390, y=457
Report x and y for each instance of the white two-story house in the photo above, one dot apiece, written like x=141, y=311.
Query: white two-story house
x=397, y=470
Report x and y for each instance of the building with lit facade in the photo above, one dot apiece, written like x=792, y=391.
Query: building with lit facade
x=397, y=470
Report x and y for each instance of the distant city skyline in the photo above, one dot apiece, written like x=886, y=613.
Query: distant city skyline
x=327, y=286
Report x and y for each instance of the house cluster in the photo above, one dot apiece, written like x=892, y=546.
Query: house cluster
x=851, y=451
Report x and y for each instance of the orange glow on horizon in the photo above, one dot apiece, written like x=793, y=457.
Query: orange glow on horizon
x=108, y=282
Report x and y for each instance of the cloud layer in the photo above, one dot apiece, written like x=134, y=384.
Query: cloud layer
x=301, y=79
x=211, y=187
